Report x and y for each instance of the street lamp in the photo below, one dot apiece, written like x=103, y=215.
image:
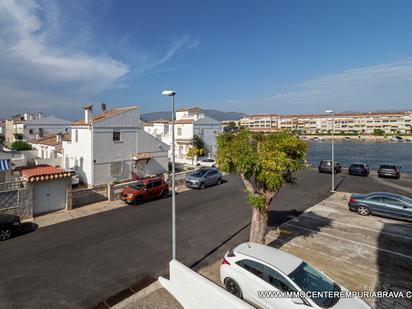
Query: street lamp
x=333, y=150
x=170, y=93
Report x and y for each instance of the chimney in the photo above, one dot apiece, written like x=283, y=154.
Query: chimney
x=88, y=113
x=37, y=136
x=58, y=137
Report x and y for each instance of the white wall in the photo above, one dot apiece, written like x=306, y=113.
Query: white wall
x=194, y=291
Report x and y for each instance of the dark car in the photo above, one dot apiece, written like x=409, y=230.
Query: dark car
x=325, y=166
x=144, y=190
x=9, y=225
x=203, y=178
x=382, y=203
x=389, y=170
x=358, y=169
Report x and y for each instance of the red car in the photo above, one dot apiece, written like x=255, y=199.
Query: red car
x=144, y=190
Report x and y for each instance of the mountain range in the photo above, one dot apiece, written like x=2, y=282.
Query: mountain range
x=212, y=113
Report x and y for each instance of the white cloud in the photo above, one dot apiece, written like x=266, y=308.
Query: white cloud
x=37, y=69
x=375, y=87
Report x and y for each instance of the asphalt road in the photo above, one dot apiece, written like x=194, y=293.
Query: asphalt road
x=79, y=263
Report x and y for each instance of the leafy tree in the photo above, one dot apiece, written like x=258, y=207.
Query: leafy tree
x=195, y=152
x=20, y=145
x=198, y=142
x=264, y=162
x=378, y=132
x=231, y=127
x=1, y=139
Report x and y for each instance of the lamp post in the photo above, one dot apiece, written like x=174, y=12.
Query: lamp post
x=172, y=94
x=333, y=150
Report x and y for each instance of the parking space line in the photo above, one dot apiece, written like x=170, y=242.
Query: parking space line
x=355, y=226
x=328, y=255
x=352, y=241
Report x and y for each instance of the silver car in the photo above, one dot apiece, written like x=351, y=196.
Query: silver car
x=203, y=178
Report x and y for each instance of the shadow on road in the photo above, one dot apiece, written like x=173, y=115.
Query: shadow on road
x=26, y=228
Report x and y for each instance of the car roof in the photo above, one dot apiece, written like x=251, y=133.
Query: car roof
x=360, y=163
x=389, y=164
x=388, y=194
x=282, y=260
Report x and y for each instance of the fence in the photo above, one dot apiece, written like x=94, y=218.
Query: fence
x=179, y=177
x=84, y=197
x=118, y=188
x=16, y=197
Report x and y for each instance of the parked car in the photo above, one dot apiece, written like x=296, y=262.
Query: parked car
x=325, y=166
x=383, y=204
x=389, y=170
x=206, y=162
x=144, y=190
x=251, y=268
x=203, y=178
x=358, y=169
x=9, y=224
x=74, y=176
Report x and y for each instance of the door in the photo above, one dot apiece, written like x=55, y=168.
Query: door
x=252, y=276
x=375, y=205
x=153, y=189
x=211, y=178
x=394, y=207
x=49, y=196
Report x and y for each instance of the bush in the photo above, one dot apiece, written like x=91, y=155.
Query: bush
x=20, y=145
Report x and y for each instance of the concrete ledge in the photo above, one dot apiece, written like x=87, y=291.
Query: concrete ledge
x=134, y=299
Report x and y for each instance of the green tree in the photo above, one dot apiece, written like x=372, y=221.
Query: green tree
x=198, y=142
x=195, y=152
x=264, y=162
x=378, y=132
x=18, y=136
x=231, y=127
x=20, y=145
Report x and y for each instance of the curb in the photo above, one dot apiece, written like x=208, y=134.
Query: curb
x=139, y=295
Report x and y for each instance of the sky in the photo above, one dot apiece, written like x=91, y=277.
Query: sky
x=264, y=56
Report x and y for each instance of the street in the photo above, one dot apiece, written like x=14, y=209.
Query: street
x=79, y=263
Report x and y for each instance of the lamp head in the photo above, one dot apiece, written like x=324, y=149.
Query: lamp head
x=169, y=93
x=329, y=111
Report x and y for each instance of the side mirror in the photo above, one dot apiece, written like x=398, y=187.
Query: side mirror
x=145, y=189
x=298, y=301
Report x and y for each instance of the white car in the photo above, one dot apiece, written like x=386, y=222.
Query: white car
x=206, y=162
x=74, y=176
x=251, y=268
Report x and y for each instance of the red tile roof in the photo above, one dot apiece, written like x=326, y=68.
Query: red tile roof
x=44, y=173
x=184, y=121
x=191, y=109
x=104, y=115
x=142, y=156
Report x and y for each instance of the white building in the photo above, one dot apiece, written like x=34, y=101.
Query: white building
x=112, y=146
x=34, y=128
x=189, y=122
x=361, y=123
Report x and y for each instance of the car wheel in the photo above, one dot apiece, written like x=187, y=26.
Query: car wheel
x=202, y=186
x=5, y=234
x=165, y=194
x=198, y=164
x=219, y=181
x=364, y=211
x=137, y=200
x=233, y=288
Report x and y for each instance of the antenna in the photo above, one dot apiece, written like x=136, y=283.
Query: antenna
x=104, y=107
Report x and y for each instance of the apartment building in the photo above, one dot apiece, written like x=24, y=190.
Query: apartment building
x=361, y=123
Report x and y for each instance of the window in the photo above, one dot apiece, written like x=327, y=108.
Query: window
x=76, y=136
x=254, y=267
x=375, y=199
x=30, y=131
x=116, y=168
x=116, y=136
x=41, y=132
x=179, y=131
x=156, y=184
x=392, y=201
x=279, y=282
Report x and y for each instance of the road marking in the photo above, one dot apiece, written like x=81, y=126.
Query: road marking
x=355, y=226
x=352, y=241
x=328, y=255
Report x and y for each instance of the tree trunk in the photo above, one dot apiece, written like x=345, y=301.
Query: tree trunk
x=259, y=224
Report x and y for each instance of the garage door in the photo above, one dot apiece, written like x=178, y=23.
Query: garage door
x=49, y=196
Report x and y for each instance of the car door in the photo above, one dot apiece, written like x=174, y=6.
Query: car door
x=394, y=207
x=252, y=280
x=157, y=188
x=209, y=178
x=277, y=282
x=375, y=204
x=213, y=177
x=407, y=210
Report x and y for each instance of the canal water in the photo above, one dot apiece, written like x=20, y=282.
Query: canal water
x=371, y=153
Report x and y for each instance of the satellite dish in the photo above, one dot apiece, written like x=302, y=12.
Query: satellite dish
x=104, y=107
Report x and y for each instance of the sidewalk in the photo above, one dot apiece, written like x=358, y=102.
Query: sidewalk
x=92, y=209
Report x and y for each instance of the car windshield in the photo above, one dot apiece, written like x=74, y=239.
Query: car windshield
x=137, y=185
x=199, y=173
x=326, y=162
x=407, y=199
x=357, y=165
x=310, y=279
x=391, y=167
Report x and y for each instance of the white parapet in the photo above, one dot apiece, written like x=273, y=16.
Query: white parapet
x=193, y=291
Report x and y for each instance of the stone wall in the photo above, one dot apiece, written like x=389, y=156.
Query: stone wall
x=89, y=196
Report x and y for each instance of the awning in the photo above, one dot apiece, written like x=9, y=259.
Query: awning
x=4, y=165
x=142, y=156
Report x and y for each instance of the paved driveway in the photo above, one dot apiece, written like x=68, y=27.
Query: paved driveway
x=362, y=253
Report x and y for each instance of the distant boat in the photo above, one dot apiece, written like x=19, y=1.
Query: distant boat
x=346, y=138
x=397, y=139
